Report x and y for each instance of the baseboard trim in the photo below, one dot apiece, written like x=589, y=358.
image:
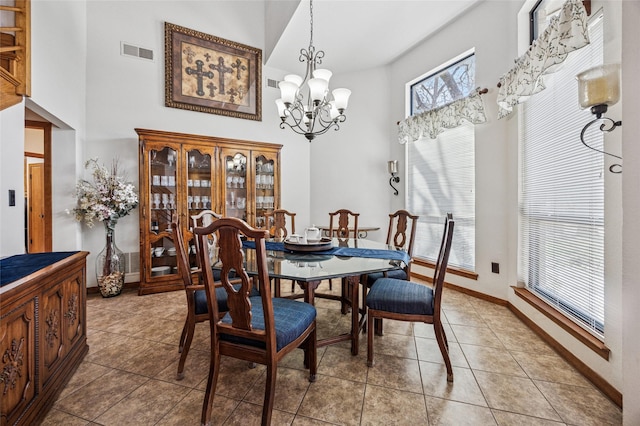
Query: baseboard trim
x=127, y=286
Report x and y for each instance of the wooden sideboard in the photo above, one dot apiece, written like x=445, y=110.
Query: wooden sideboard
x=43, y=337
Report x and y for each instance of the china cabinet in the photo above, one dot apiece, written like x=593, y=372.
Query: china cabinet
x=182, y=174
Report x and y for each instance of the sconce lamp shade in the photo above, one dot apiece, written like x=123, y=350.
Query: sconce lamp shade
x=599, y=85
x=393, y=166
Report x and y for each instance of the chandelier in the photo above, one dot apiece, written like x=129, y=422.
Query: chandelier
x=318, y=113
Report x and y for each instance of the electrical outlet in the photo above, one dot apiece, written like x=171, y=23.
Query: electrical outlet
x=495, y=267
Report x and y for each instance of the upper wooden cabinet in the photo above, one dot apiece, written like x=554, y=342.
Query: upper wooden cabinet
x=182, y=174
x=15, y=52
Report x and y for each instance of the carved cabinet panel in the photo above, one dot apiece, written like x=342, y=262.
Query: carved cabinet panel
x=62, y=322
x=42, y=337
x=17, y=362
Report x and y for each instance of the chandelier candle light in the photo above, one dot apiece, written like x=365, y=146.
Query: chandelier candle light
x=317, y=114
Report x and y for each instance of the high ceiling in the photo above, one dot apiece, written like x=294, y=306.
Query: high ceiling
x=358, y=34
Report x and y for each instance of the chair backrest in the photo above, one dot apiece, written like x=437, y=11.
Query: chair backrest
x=277, y=223
x=230, y=232
x=402, y=233
x=342, y=222
x=182, y=258
x=201, y=219
x=442, y=262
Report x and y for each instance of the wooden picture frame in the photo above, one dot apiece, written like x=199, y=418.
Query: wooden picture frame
x=209, y=74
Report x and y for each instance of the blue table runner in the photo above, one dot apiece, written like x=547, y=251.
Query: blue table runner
x=341, y=251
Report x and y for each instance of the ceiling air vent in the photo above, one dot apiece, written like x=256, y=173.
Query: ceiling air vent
x=272, y=83
x=128, y=49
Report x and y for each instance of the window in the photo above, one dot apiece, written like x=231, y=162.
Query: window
x=441, y=171
x=562, y=195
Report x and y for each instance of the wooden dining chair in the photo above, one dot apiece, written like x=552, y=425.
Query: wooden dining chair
x=203, y=218
x=259, y=329
x=400, y=234
x=279, y=230
x=197, y=310
x=408, y=301
x=341, y=223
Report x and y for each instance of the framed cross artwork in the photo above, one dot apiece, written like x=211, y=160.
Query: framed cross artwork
x=210, y=74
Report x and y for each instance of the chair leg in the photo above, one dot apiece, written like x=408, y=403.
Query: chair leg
x=276, y=287
x=214, y=370
x=370, y=318
x=312, y=354
x=189, y=327
x=269, y=392
x=183, y=335
x=441, y=337
x=378, y=327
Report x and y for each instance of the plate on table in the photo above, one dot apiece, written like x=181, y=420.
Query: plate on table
x=160, y=270
x=322, y=244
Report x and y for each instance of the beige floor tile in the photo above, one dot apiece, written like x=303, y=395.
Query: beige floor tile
x=291, y=386
x=247, y=414
x=463, y=389
x=196, y=368
x=395, y=373
x=56, y=417
x=505, y=418
x=428, y=350
x=101, y=394
x=395, y=344
x=482, y=336
x=445, y=412
x=581, y=406
x=144, y=406
x=503, y=372
x=515, y=394
x=235, y=379
x=461, y=317
x=383, y=406
x=421, y=329
x=334, y=400
x=189, y=410
x=84, y=374
x=549, y=368
x=338, y=362
x=491, y=359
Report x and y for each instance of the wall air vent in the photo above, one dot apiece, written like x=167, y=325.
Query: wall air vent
x=272, y=83
x=128, y=49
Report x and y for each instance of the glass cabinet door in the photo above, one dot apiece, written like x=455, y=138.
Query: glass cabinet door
x=199, y=182
x=265, y=200
x=163, y=203
x=235, y=177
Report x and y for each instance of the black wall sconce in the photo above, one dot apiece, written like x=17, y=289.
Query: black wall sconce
x=598, y=88
x=392, y=165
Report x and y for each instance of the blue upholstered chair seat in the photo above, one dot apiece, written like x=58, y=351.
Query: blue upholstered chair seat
x=396, y=273
x=400, y=296
x=291, y=319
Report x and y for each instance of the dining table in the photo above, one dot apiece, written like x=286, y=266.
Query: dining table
x=345, y=258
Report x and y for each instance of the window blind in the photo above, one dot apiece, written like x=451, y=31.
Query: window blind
x=562, y=194
x=441, y=179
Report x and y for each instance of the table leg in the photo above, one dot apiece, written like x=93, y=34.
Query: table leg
x=309, y=288
x=354, y=284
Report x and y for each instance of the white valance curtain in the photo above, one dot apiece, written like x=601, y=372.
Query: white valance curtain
x=436, y=121
x=566, y=32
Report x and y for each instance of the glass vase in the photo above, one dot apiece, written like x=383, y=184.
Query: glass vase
x=110, y=263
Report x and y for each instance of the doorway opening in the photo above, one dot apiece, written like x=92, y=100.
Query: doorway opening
x=37, y=184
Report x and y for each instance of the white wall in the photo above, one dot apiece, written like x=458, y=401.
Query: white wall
x=631, y=208
x=124, y=93
x=494, y=51
x=349, y=167
x=12, y=178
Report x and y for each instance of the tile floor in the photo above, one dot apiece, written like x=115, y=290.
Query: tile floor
x=504, y=374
